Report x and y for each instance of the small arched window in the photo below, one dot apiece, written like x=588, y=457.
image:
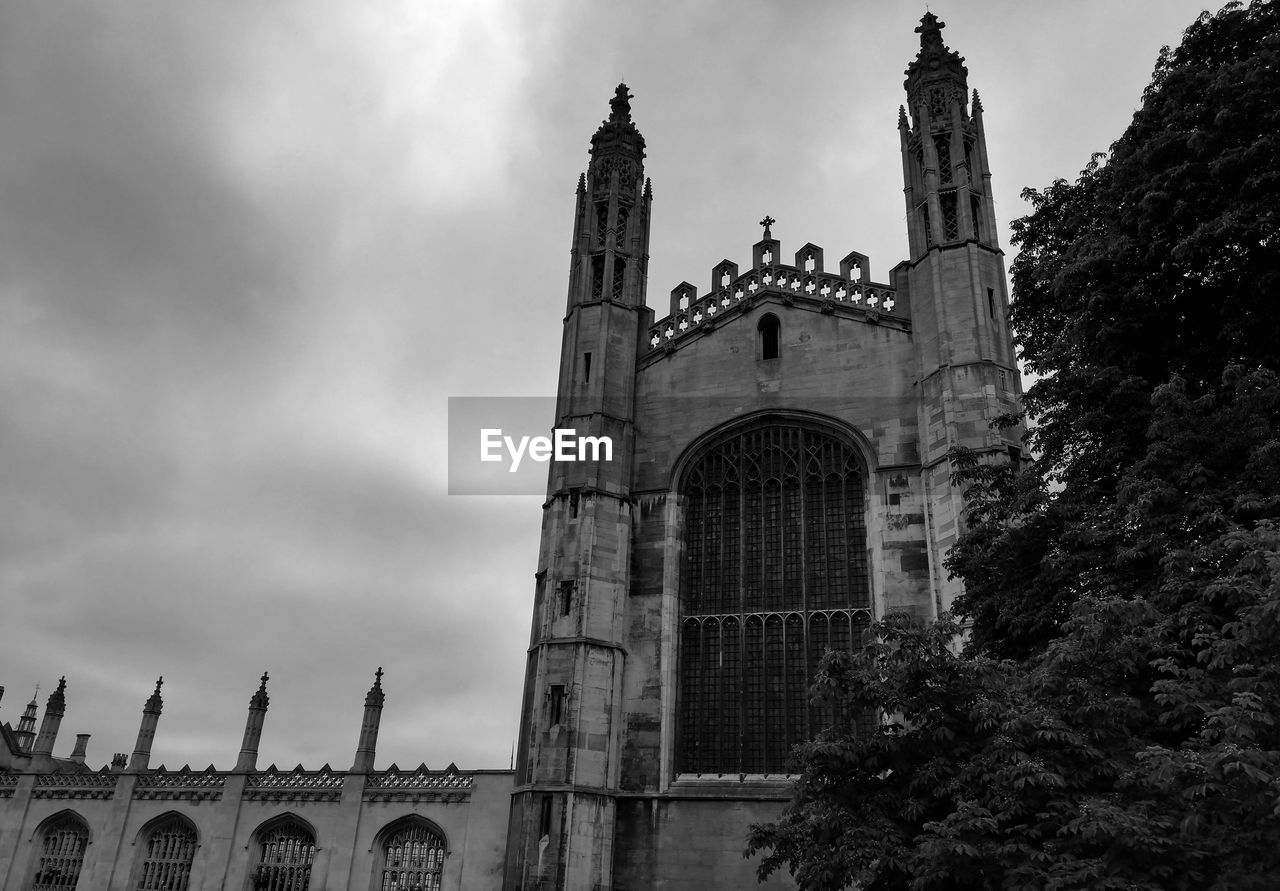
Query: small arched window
x=170, y=848
x=412, y=857
x=770, y=336
x=62, y=844
x=286, y=848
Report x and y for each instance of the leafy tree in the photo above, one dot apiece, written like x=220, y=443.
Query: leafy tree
x=1113, y=720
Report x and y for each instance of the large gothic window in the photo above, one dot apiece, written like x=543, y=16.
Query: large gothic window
x=170, y=848
x=775, y=573
x=412, y=858
x=62, y=844
x=286, y=848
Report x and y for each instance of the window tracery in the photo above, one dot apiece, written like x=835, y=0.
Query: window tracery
x=412, y=859
x=171, y=847
x=285, y=853
x=62, y=846
x=775, y=573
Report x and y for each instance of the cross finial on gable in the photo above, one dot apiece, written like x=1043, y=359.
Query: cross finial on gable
x=767, y=222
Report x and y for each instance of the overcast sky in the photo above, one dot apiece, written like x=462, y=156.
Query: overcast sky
x=248, y=249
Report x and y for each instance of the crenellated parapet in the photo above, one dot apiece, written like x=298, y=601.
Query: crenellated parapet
x=298, y=784
x=418, y=785
x=804, y=283
x=184, y=784
x=78, y=785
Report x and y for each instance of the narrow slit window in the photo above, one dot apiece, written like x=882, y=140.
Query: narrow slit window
x=556, y=706
x=991, y=302
x=544, y=818
x=566, y=597
x=575, y=503
x=770, y=335
x=586, y=368
x=619, y=277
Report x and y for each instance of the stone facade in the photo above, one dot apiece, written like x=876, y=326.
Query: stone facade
x=685, y=570
x=131, y=826
x=779, y=479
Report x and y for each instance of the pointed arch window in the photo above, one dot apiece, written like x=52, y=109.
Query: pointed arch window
x=774, y=574
x=286, y=849
x=412, y=856
x=170, y=848
x=770, y=336
x=62, y=845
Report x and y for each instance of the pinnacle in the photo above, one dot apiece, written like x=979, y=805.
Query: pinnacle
x=620, y=105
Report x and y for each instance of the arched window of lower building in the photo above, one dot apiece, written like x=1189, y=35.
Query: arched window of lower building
x=774, y=574
x=286, y=846
x=169, y=846
x=62, y=844
x=412, y=857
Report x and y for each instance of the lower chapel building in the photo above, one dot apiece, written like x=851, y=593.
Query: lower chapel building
x=779, y=479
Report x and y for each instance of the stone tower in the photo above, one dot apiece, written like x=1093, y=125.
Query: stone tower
x=778, y=480
x=955, y=282
x=564, y=809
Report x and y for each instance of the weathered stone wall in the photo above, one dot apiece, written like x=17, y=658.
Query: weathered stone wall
x=346, y=815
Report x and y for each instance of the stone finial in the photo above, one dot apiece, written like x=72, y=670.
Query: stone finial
x=259, y=699
x=977, y=103
x=155, y=704
x=57, y=704
x=767, y=222
x=375, y=697
x=930, y=31
x=902, y=117
x=620, y=105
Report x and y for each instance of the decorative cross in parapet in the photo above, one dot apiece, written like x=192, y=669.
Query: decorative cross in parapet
x=767, y=222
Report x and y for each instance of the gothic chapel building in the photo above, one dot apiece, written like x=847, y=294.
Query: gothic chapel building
x=779, y=480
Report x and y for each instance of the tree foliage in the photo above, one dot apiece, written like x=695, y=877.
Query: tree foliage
x=1113, y=720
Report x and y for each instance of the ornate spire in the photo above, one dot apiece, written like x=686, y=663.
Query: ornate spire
x=618, y=132
x=375, y=697
x=57, y=703
x=259, y=699
x=936, y=71
x=248, y=758
x=367, y=745
x=620, y=105
x=977, y=102
x=930, y=31
x=155, y=703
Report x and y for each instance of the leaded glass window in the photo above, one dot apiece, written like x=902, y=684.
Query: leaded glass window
x=942, y=145
x=171, y=846
x=950, y=217
x=285, y=853
x=413, y=859
x=774, y=574
x=62, y=847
